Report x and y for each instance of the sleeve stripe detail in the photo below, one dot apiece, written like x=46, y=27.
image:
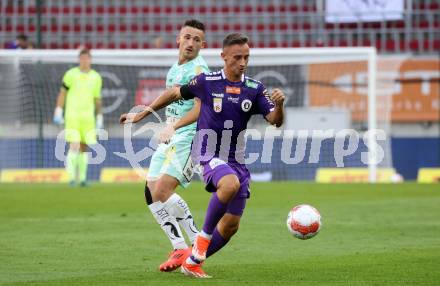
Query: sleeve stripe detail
x=65, y=86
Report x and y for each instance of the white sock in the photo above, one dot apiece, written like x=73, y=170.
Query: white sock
x=177, y=207
x=169, y=225
x=205, y=235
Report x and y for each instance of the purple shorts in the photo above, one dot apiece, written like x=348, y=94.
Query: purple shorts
x=215, y=169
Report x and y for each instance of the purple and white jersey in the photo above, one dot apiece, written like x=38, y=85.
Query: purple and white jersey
x=226, y=108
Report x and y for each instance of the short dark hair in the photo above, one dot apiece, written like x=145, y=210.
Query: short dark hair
x=22, y=37
x=84, y=51
x=235, y=39
x=194, y=24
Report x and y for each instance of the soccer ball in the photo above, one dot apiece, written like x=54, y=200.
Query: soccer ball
x=304, y=221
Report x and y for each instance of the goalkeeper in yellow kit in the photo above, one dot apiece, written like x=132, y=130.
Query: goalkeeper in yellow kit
x=80, y=96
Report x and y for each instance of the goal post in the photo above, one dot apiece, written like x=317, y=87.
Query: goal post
x=331, y=88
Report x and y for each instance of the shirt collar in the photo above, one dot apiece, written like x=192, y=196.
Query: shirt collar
x=224, y=76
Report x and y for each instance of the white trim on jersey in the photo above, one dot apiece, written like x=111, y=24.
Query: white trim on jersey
x=224, y=76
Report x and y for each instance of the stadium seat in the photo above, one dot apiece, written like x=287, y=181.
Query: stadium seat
x=168, y=10
x=248, y=9
x=203, y=9
x=121, y=18
x=414, y=45
x=77, y=10
x=434, y=5
x=179, y=10
x=390, y=46
x=134, y=28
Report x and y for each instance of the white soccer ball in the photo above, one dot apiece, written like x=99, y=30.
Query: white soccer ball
x=304, y=221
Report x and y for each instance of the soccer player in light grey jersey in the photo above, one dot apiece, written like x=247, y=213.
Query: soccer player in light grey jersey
x=171, y=163
x=227, y=100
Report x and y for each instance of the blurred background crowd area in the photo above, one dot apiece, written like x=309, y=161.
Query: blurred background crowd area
x=409, y=26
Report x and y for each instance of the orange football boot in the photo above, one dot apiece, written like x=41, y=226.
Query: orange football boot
x=175, y=260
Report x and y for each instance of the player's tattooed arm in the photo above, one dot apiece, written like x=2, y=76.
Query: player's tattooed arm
x=276, y=117
x=168, y=96
x=189, y=118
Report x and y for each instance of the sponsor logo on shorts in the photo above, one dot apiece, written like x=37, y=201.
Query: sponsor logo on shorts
x=215, y=162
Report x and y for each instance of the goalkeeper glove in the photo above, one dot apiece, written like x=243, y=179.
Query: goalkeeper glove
x=99, y=121
x=58, y=116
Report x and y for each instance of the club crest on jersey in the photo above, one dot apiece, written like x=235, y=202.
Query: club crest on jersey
x=246, y=105
x=198, y=70
x=217, y=104
x=178, y=77
x=233, y=90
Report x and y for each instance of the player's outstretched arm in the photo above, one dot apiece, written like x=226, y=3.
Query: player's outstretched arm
x=189, y=118
x=168, y=96
x=276, y=117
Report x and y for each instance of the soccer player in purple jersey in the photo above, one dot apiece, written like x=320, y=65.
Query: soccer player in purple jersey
x=227, y=99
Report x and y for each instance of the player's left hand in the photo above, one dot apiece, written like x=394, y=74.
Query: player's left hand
x=58, y=116
x=278, y=97
x=166, y=134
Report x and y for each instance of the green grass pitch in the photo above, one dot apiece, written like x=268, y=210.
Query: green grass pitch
x=103, y=235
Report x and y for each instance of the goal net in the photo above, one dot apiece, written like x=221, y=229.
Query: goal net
x=333, y=108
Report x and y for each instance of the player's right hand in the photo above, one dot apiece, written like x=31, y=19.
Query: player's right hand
x=58, y=116
x=166, y=134
x=130, y=117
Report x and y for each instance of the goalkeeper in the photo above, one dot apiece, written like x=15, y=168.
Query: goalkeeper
x=80, y=96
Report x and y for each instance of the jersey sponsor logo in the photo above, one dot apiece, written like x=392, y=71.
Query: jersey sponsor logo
x=217, y=104
x=251, y=84
x=215, y=162
x=267, y=96
x=233, y=99
x=217, y=94
x=233, y=90
x=246, y=105
x=172, y=111
x=214, y=73
x=213, y=77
